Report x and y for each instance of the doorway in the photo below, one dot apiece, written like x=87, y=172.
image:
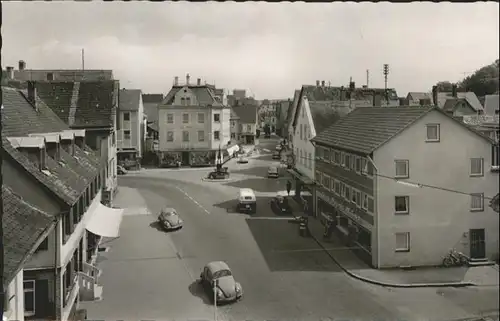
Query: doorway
x=185, y=158
x=477, y=243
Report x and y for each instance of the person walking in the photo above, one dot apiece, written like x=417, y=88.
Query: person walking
x=288, y=187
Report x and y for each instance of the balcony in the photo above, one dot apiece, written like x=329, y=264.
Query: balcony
x=70, y=297
x=89, y=288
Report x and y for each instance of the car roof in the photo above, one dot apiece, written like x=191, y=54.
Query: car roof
x=168, y=210
x=217, y=266
x=246, y=191
x=273, y=167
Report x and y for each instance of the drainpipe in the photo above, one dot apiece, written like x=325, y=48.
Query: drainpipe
x=56, y=261
x=375, y=207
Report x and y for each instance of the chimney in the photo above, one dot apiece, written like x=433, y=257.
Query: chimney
x=342, y=93
x=454, y=90
x=322, y=83
x=198, y=82
x=377, y=100
x=187, y=79
x=435, y=95
x=10, y=72
x=32, y=94
x=352, y=85
x=22, y=65
x=176, y=81
x=317, y=83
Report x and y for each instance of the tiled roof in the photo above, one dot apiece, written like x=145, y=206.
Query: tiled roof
x=419, y=95
x=491, y=104
x=23, y=227
x=451, y=104
x=53, y=183
x=323, y=115
x=57, y=95
x=151, y=111
x=152, y=98
x=204, y=95
x=96, y=105
x=233, y=114
x=366, y=128
x=247, y=114
x=130, y=99
x=154, y=126
x=291, y=111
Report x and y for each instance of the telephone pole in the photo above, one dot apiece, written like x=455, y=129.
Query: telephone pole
x=386, y=73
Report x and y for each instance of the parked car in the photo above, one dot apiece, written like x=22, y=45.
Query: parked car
x=276, y=155
x=217, y=279
x=247, y=202
x=169, y=219
x=243, y=160
x=272, y=172
x=280, y=205
x=121, y=170
x=279, y=147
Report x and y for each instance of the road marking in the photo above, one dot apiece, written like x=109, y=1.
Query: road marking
x=266, y=150
x=271, y=218
x=192, y=199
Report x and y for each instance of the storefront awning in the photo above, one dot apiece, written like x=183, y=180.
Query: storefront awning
x=105, y=221
x=233, y=149
x=304, y=179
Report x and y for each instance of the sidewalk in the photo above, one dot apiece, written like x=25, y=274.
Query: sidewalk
x=131, y=201
x=420, y=277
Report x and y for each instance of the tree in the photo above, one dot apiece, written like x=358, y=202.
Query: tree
x=483, y=81
x=444, y=86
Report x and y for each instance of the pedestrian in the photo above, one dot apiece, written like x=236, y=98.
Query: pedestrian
x=306, y=207
x=288, y=187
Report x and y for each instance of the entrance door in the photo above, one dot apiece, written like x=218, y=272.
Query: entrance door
x=185, y=158
x=477, y=244
x=43, y=308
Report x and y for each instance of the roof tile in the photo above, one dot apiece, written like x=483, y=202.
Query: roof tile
x=129, y=99
x=246, y=114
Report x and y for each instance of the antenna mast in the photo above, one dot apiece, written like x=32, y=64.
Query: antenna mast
x=386, y=73
x=367, y=78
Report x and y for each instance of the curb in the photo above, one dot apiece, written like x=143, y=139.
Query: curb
x=392, y=285
x=204, y=179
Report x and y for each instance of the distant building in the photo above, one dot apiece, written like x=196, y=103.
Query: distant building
x=386, y=201
x=281, y=115
x=415, y=99
x=245, y=123
x=468, y=100
x=491, y=105
x=151, y=102
x=130, y=128
x=193, y=125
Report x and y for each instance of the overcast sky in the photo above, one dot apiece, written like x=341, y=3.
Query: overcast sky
x=269, y=49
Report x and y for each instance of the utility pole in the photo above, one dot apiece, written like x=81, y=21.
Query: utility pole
x=386, y=73
x=367, y=78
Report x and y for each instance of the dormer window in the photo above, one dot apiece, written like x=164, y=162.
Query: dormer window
x=43, y=158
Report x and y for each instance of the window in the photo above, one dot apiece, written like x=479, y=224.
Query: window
x=233, y=123
x=301, y=132
x=368, y=168
x=352, y=163
x=183, y=101
x=318, y=177
x=402, y=169
x=201, y=136
x=336, y=187
x=342, y=189
x=233, y=135
x=188, y=101
x=433, y=132
x=170, y=136
x=50, y=76
x=495, y=154
x=216, y=135
x=325, y=181
x=217, y=118
x=370, y=205
x=358, y=165
x=44, y=246
x=29, y=297
x=364, y=203
x=363, y=166
x=477, y=202
x=476, y=166
x=354, y=196
x=347, y=160
x=301, y=158
x=403, y=242
x=326, y=155
x=126, y=116
x=185, y=118
x=309, y=160
x=201, y=118
x=170, y=118
x=185, y=136
x=249, y=128
x=126, y=134
x=335, y=157
x=347, y=193
x=319, y=153
x=401, y=204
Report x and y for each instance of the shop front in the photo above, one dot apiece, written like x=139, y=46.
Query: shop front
x=304, y=191
x=350, y=224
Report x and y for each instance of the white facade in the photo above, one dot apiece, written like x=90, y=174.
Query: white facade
x=132, y=123
x=304, y=150
x=437, y=220
x=222, y=126
x=14, y=311
x=112, y=176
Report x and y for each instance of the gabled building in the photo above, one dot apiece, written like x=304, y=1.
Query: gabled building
x=130, y=128
x=25, y=229
x=491, y=105
x=49, y=166
x=405, y=185
x=193, y=125
x=417, y=99
x=290, y=117
x=468, y=101
x=90, y=106
x=245, y=123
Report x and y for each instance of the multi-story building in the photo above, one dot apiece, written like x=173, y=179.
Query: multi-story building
x=267, y=115
x=281, y=113
x=193, y=125
x=405, y=185
x=91, y=106
x=49, y=165
x=23, y=74
x=131, y=128
x=245, y=123
x=290, y=130
x=25, y=228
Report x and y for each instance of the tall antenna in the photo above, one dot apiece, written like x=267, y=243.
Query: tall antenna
x=83, y=63
x=386, y=73
x=367, y=78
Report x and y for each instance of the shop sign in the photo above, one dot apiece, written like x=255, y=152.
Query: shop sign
x=344, y=209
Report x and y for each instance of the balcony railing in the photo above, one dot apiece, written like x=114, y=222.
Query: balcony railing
x=71, y=291
x=91, y=271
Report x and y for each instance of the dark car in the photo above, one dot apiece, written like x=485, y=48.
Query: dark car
x=121, y=170
x=217, y=277
x=169, y=219
x=280, y=205
x=276, y=155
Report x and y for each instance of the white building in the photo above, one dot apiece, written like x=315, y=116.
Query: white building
x=131, y=128
x=409, y=184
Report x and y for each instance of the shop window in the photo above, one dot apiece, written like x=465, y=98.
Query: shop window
x=365, y=240
x=344, y=222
